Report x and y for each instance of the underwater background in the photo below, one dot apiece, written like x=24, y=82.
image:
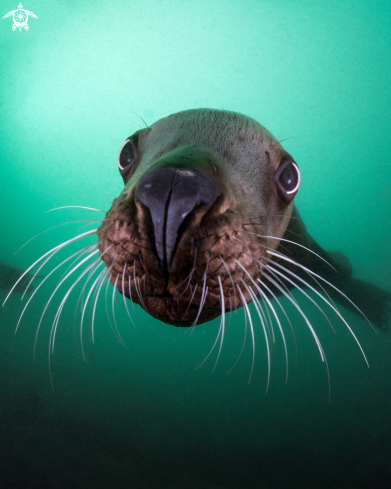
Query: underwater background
x=139, y=413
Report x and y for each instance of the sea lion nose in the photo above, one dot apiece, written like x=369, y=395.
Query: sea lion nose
x=171, y=194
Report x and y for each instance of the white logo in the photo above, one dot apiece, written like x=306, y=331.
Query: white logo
x=20, y=16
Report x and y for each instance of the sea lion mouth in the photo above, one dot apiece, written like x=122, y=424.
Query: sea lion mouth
x=175, y=244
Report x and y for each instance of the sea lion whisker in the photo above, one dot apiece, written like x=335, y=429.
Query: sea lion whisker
x=37, y=272
x=314, y=335
x=222, y=322
x=296, y=305
x=190, y=274
x=137, y=286
x=56, y=320
x=103, y=275
x=266, y=332
x=130, y=297
x=204, y=290
x=191, y=300
x=53, y=330
x=56, y=226
x=45, y=278
x=202, y=301
x=323, y=298
x=92, y=270
x=313, y=274
x=201, y=306
x=80, y=301
x=256, y=303
x=72, y=264
x=244, y=342
x=56, y=248
x=291, y=242
x=281, y=331
x=210, y=351
x=55, y=290
x=146, y=271
x=96, y=289
x=59, y=310
x=109, y=271
x=297, y=287
x=124, y=296
x=284, y=312
x=269, y=321
x=252, y=335
x=113, y=309
x=230, y=276
x=75, y=207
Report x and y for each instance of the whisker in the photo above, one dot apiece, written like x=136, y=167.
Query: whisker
x=76, y=207
x=56, y=248
x=296, y=305
x=59, y=310
x=204, y=291
x=130, y=297
x=191, y=300
x=313, y=274
x=92, y=269
x=37, y=272
x=222, y=321
x=53, y=330
x=87, y=248
x=244, y=342
x=104, y=274
x=80, y=301
x=230, y=276
x=56, y=226
x=297, y=287
x=190, y=274
x=137, y=287
x=113, y=309
x=317, y=341
x=123, y=294
x=260, y=310
x=252, y=335
x=280, y=328
x=323, y=298
x=106, y=293
x=210, y=351
x=292, y=242
x=284, y=312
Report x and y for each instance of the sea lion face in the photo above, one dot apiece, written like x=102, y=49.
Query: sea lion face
x=207, y=193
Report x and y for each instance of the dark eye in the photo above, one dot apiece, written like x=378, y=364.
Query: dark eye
x=287, y=179
x=127, y=156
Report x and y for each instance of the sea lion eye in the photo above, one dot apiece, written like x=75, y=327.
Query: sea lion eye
x=127, y=156
x=287, y=179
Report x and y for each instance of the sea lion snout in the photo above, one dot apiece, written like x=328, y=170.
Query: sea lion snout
x=173, y=194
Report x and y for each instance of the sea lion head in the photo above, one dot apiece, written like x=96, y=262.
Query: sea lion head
x=207, y=193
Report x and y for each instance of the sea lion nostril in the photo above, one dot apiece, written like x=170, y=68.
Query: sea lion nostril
x=171, y=194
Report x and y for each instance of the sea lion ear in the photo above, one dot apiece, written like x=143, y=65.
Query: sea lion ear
x=127, y=156
x=287, y=179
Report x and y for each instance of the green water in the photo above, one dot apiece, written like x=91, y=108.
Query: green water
x=139, y=413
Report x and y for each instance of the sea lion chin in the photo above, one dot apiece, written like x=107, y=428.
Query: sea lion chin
x=208, y=194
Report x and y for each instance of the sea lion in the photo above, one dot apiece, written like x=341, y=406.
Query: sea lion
x=206, y=223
